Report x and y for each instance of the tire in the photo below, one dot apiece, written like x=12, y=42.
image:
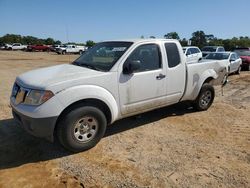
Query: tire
x=238, y=71
x=80, y=52
x=205, y=97
x=248, y=68
x=81, y=128
x=63, y=52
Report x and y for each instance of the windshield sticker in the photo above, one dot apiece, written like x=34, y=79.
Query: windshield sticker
x=119, y=49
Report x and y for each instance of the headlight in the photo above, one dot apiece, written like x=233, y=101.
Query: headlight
x=37, y=97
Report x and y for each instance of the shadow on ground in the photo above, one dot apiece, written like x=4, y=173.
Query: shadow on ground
x=18, y=147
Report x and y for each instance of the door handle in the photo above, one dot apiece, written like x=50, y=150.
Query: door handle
x=160, y=76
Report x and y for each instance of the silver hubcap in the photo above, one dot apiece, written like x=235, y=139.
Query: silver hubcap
x=206, y=98
x=85, y=129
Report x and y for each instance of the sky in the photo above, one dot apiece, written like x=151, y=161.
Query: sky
x=98, y=20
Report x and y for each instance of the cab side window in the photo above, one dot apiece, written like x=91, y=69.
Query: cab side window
x=193, y=50
x=220, y=49
x=173, y=55
x=149, y=56
x=233, y=57
x=189, y=52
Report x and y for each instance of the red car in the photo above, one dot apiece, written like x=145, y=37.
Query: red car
x=38, y=47
x=244, y=54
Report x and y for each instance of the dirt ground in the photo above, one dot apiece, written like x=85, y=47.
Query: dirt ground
x=169, y=147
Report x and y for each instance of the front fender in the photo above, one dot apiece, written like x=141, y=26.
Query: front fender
x=77, y=93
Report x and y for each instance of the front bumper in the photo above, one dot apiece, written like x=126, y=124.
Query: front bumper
x=39, y=127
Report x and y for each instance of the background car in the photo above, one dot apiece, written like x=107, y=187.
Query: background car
x=193, y=54
x=208, y=49
x=244, y=54
x=2, y=46
x=54, y=47
x=38, y=47
x=233, y=60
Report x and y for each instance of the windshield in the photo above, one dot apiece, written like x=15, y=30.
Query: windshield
x=243, y=53
x=217, y=56
x=103, y=55
x=209, y=49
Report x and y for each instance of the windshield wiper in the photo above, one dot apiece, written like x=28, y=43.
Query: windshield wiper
x=87, y=65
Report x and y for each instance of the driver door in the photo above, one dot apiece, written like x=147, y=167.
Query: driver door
x=146, y=88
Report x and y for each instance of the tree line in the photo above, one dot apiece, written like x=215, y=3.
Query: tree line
x=30, y=40
x=199, y=38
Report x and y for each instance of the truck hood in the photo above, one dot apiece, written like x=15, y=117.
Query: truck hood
x=45, y=78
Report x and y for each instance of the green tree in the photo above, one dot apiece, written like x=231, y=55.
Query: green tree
x=49, y=41
x=12, y=38
x=198, y=39
x=152, y=37
x=172, y=35
x=90, y=43
x=184, y=42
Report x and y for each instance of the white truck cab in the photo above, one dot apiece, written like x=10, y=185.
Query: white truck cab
x=16, y=46
x=71, y=49
x=112, y=80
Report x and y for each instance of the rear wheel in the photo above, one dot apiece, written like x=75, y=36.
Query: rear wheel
x=63, y=52
x=248, y=68
x=80, y=52
x=238, y=71
x=205, y=97
x=82, y=128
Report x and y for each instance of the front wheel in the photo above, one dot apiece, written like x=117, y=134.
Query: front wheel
x=205, y=97
x=82, y=128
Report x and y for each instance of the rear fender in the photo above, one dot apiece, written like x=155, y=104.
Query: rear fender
x=210, y=76
x=195, y=83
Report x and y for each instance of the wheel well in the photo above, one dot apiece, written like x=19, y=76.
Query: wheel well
x=91, y=102
x=208, y=80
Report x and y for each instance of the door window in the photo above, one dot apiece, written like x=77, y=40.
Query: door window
x=148, y=55
x=189, y=52
x=232, y=58
x=194, y=51
x=172, y=54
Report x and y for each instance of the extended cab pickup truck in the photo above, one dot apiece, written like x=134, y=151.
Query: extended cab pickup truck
x=112, y=80
x=38, y=47
x=71, y=49
x=16, y=46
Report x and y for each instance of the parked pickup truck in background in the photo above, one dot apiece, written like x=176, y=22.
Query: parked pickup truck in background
x=208, y=49
x=71, y=49
x=112, y=80
x=16, y=46
x=38, y=47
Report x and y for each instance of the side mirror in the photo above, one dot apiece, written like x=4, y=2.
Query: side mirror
x=131, y=66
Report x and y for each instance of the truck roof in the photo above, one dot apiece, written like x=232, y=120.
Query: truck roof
x=142, y=40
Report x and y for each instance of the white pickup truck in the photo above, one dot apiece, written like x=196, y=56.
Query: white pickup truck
x=112, y=80
x=16, y=46
x=71, y=49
